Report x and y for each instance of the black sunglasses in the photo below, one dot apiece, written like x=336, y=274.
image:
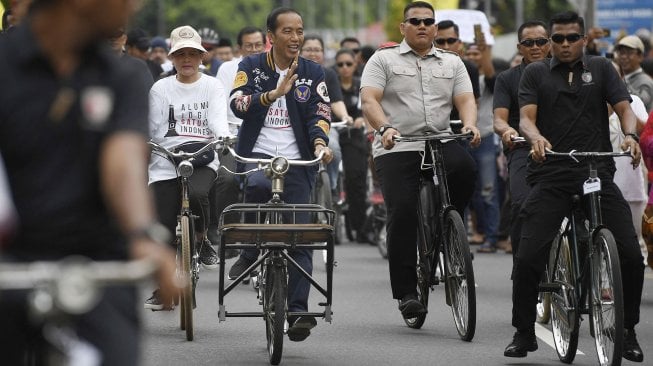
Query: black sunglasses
x=348, y=64
x=416, y=21
x=530, y=42
x=571, y=38
x=442, y=41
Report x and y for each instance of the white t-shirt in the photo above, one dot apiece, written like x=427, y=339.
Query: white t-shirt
x=630, y=181
x=200, y=115
x=277, y=136
x=226, y=75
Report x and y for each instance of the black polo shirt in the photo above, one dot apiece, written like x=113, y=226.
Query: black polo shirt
x=506, y=90
x=572, y=112
x=52, y=130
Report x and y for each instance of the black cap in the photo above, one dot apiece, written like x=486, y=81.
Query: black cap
x=138, y=38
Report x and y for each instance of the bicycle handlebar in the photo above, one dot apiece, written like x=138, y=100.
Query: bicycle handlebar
x=413, y=138
x=264, y=162
x=71, y=284
x=219, y=143
x=596, y=154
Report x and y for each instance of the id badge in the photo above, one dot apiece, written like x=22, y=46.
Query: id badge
x=592, y=185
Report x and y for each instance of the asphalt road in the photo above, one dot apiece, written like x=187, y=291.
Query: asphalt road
x=367, y=328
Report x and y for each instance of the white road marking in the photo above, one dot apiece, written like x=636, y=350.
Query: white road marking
x=547, y=337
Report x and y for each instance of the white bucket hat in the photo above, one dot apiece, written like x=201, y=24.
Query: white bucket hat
x=185, y=37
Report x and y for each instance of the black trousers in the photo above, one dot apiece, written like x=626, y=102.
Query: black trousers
x=112, y=328
x=518, y=192
x=399, y=174
x=354, y=147
x=167, y=194
x=226, y=189
x=542, y=212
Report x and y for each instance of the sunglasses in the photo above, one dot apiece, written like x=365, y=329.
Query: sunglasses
x=417, y=21
x=530, y=42
x=571, y=38
x=348, y=64
x=442, y=41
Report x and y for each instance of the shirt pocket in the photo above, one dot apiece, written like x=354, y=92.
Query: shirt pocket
x=403, y=78
x=441, y=77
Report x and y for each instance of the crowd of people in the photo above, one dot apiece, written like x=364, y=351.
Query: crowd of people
x=100, y=83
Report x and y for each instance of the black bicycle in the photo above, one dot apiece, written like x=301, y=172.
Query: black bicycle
x=276, y=229
x=188, y=263
x=584, y=274
x=442, y=248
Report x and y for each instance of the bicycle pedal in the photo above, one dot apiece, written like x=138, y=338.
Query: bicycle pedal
x=549, y=287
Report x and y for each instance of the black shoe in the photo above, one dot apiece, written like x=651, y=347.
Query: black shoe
x=154, y=303
x=208, y=256
x=231, y=253
x=239, y=267
x=410, y=307
x=522, y=343
x=300, y=327
x=632, y=351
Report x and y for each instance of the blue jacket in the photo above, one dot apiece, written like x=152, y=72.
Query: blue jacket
x=307, y=102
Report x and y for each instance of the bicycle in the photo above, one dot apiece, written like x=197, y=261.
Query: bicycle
x=585, y=274
x=60, y=290
x=188, y=264
x=443, y=253
x=275, y=229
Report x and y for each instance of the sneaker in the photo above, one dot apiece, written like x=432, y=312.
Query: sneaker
x=300, y=327
x=239, y=267
x=410, y=307
x=487, y=248
x=632, y=351
x=154, y=303
x=522, y=343
x=208, y=256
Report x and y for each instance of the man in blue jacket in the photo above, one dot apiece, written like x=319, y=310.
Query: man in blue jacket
x=284, y=104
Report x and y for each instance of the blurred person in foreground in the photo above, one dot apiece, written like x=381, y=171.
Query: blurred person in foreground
x=76, y=157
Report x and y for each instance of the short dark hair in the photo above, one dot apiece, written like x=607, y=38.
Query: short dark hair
x=531, y=24
x=313, y=37
x=446, y=24
x=248, y=30
x=567, y=17
x=418, y=4
x=367, y=52
x=347, y=51
x=224, y=42
x=349, y=39
x=272, y=20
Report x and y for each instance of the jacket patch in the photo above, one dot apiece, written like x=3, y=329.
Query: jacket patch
x=240, y=80
x=324, y=125
x=323, y=110
x=323, y=92
x=243, y=102
x=302, y=93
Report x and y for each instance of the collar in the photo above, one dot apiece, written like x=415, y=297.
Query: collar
x=556, y=62
x=269, y=59
x=405, y=48
x=634, y=72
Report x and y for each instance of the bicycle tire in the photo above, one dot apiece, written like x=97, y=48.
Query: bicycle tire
x=606, y=299
x=274, y=309
x=187, y=290
x=565, y=314
x=459, y=282
x=543, y=307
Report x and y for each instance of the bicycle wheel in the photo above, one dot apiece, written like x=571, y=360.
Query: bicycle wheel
x=459, y=280
x=565, y=315
x=186, y=312
x=606, y=299
x=274, y=309
x=543, y=307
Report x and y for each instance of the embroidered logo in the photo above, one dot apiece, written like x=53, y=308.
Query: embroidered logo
x=323, y=92
x=324, y=110
x=243, y=102
x=586, y=76
x=324, y=125
x=97, y=104
x=302, y=93
x=240, y=79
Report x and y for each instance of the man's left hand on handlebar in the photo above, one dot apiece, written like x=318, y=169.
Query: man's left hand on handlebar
x=635, y=151
x=328, y=154
x=476, y=139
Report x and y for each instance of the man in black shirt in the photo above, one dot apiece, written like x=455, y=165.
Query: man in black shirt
x=534, y=46
x=74, y=132
x=563, y=106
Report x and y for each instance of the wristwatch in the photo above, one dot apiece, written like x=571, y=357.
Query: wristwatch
x=634, y=136
x=385, y=128
x=154, y=231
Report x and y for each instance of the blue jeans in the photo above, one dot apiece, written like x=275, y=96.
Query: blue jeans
x=486, y=200
x=297, y=189
x=333, y=166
